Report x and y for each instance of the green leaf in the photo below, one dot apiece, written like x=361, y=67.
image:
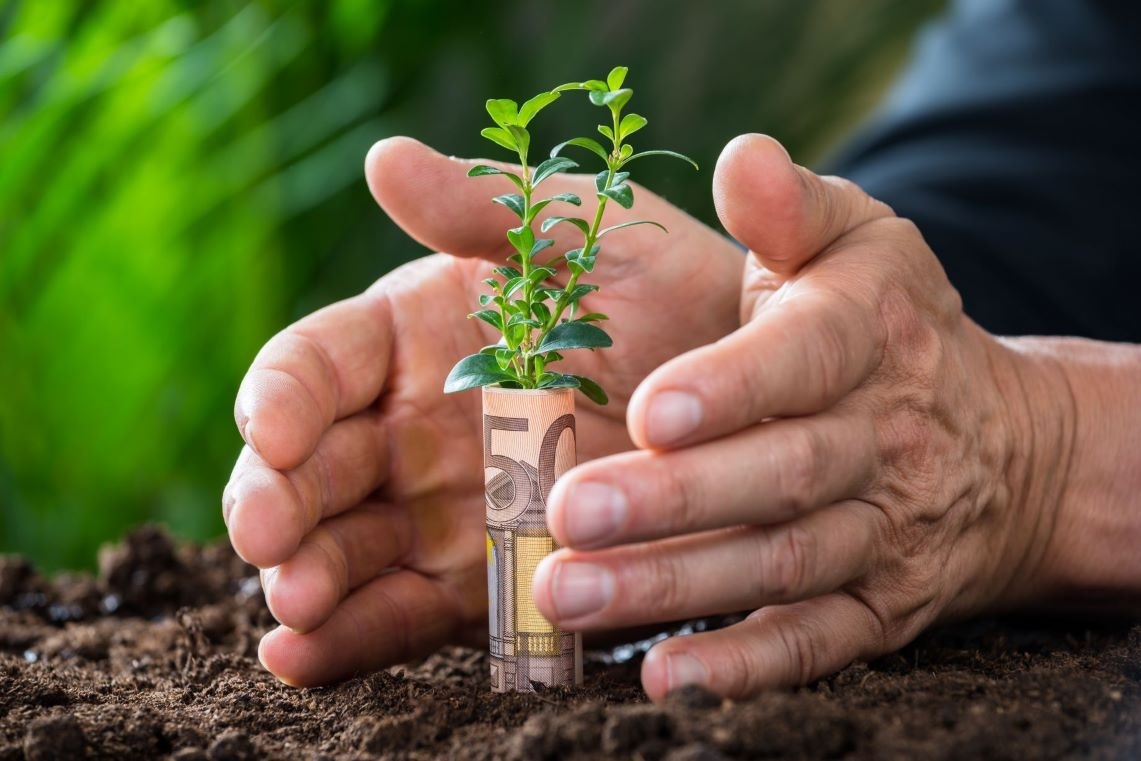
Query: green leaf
x=570, y=198
x=540, y=244
x=592, y=317
x=512, y=201
x=484, y=299
x=613, y=98
x=541, y=311
x=590, y=84
x=539, y=274
x=552, y=356
x=533, y=106
x=516, y=333
x=492, y=283
x=501, y=137
x=558, y=380
x=626, y=152
x=507, y=272
x=580, y=262
x=521, y=137
x=606, y=131
x=503, y=111
x=630, y=124
x=554, y=294
x=672, y=154
x=578, y=222
x=582, y=142
x=622, y=194
x=491, y=349
x=601, y=178
x=521, y=238
x=481, y=170
x=612, y=228
x=616, y=77
x=512, y=286
x=579, y=291
x=591, y=390
x=475, y=370
x=504, y=356
x=521, y=318
x=552, y=166
x=490, y=316
x=575, y=335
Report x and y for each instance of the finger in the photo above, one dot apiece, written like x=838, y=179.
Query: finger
x=708, y=573
x=391, y=619
x=335, y=558
x=778, y=646
x=328, y=365
x=768, y=473
x=796, y=360
x=268, y=511
x=782, y=212
x=433, y=200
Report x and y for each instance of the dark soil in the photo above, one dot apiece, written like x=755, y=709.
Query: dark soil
x=155, y=658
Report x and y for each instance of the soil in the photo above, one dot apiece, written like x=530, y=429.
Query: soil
x=155, y=657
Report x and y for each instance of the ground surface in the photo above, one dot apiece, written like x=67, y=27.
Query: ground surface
x=155, y=658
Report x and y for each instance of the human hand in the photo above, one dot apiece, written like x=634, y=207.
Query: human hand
x=844, y=463
x=360, y=489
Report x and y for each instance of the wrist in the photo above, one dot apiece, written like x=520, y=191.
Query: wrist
x=1075, y=475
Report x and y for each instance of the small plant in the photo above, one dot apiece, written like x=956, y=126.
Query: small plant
x=538, y=318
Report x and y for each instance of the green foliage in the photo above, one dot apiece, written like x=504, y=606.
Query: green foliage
x=531, y=304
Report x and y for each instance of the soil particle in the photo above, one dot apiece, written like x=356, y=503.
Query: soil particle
x=155, y=657
x=54, y=738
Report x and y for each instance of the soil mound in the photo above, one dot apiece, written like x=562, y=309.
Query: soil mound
x=155, y=657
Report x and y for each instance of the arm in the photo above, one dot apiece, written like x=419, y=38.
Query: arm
x=1086, y=410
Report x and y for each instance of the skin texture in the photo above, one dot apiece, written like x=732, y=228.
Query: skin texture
x=825, y=439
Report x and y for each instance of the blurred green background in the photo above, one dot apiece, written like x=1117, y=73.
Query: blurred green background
x=180, y=180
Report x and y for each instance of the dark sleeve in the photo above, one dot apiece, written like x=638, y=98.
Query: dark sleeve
x=1013, y=142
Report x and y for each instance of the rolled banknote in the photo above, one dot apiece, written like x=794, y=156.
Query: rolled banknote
x=528, y=442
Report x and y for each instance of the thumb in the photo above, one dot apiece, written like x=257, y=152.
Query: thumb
x=430, y=196
x=782, y=212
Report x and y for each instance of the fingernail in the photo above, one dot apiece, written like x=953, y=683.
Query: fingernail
x=580, y=588
x=683, y=669
x=673, y=415
x=594, y=512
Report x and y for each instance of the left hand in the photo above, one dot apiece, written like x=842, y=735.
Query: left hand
x=844, y=463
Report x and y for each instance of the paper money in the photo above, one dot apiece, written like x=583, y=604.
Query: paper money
x=528, y=442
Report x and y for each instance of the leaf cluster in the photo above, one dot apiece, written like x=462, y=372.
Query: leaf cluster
x=537, y=317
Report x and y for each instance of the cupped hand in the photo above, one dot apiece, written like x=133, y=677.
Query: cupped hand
x=842, y=464
x=360, y=489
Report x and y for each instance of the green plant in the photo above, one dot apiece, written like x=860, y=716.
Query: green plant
x=537, y=317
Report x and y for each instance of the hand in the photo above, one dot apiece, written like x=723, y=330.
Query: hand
x=360, y=488
x=843, y=463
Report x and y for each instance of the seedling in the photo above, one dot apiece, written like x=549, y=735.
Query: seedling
x=538, y=317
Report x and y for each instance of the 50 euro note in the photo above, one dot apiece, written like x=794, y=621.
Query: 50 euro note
x=528, y=442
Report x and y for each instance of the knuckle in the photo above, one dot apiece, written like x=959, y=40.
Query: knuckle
x=683, y=494
x=655, y=587
x=799, y=648
x=325, y=548
x=789, y=565
x=798, y=476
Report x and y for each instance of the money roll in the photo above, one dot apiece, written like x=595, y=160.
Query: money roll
x=528, y=442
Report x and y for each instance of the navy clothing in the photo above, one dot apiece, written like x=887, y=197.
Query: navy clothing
x=1014, y=143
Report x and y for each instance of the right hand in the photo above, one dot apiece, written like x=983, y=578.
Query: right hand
x=359, y=492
